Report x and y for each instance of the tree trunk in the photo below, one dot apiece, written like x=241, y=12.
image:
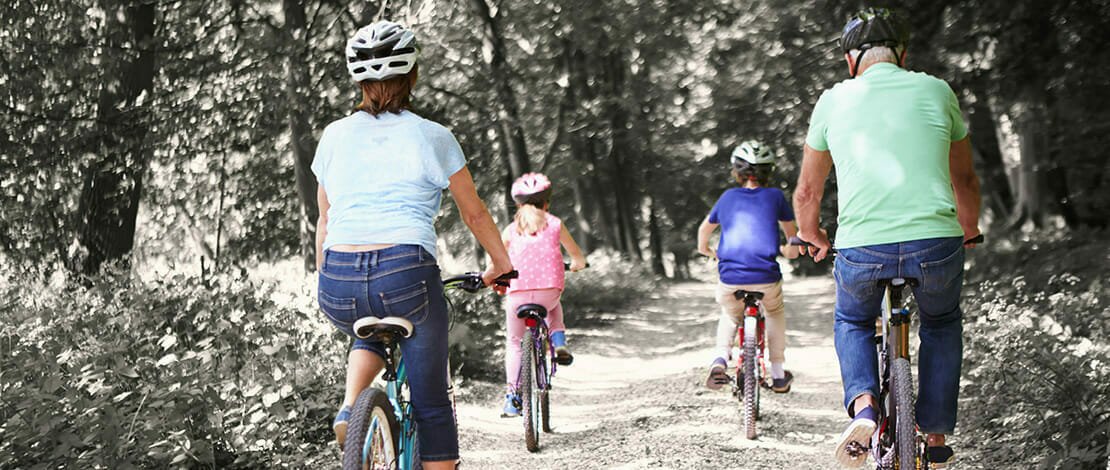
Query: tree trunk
x=655, y=239
x=618, y=151
x=681, y=264
x=297, y=84
x=581, y=217
x=113, y=183
x=508, y=113
x=984, y=139
x=1029, y=203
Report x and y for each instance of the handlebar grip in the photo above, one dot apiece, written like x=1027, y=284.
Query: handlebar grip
x=976, y=239
x=566, y=266
x=795, y=241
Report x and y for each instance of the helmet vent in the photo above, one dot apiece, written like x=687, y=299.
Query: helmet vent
x=359, y=70
x=398, y=64
x=376, y=66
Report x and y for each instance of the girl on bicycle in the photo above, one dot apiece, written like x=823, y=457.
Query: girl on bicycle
x=750, y=218
x=381, y=172
x=533, y=241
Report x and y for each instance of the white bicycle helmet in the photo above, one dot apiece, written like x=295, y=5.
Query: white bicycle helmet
x=380, y=51
x=752, y=152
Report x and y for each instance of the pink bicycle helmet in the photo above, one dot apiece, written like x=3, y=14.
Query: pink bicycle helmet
x=531, y=188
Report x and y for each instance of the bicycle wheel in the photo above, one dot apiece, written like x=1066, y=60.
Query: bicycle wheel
x=751, y=385
x=529, y=406
x=905, y=434
x=372, y=435
x=544, y=391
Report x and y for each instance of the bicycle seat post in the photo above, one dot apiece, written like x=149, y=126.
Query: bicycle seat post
x=899, y=316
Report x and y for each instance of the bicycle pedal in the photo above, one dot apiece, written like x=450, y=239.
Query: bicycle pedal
x=856, y=449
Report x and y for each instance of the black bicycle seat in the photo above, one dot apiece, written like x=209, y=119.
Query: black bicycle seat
x=741, y=294
x=531, y=310
x=388, y=329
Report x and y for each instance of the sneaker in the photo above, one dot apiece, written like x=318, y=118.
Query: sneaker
x=939, y=456
x=340, y=425
x=717, y=376
x=512, y=406
x=782, y=385
x=563, y=356
x=851, y=449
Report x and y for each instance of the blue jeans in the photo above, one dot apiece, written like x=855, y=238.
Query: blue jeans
x=401, y=281
x=938, y=265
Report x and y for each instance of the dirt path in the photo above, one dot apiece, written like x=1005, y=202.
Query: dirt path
x=634, y=396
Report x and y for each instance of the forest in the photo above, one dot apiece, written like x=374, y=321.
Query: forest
x=157, y=210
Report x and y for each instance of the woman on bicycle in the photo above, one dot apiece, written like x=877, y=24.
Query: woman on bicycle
x=533, y=240
x=381, y=173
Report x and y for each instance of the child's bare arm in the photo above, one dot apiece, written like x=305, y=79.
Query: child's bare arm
x=705, y=230
x=790, y=229
x=577, y=259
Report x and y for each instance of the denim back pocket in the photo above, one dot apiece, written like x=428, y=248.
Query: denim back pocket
x=410, y=303
x=938, y=276
x=856, y=278
x=341, y=311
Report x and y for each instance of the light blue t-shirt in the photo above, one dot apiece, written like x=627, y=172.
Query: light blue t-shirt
x=384, y=177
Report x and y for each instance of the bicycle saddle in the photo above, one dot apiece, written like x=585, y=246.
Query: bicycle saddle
x=382, y=329
x=741, y=294
x=528, y=310
x=899, y=281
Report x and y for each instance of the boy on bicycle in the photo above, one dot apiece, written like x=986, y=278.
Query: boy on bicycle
x=750, y=218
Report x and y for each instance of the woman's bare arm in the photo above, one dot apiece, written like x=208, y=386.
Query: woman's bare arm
x=321, y=225
x=476, y=217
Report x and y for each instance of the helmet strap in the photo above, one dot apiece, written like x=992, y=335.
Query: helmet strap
x=855, y=64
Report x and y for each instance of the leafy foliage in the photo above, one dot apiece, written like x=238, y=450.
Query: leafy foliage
x=171, y=374
x=1037, y=358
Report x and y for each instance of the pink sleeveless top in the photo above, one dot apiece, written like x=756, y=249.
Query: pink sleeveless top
x=537, y=257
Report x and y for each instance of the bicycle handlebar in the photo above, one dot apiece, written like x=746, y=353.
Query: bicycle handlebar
x=473, y=282
x=566, y=266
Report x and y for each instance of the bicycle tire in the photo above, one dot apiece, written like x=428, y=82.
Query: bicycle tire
x=373, y=417
x=751, y=385
x=544, y=392
x=905, y=432
x=545, y=409
x=527, y=386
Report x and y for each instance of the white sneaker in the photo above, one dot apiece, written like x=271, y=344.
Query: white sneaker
x=858, y=433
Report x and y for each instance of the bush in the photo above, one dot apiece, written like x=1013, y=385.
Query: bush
x=1036, y=354
x=171, y=374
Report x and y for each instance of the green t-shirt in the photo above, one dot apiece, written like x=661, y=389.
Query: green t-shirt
x=889, y=131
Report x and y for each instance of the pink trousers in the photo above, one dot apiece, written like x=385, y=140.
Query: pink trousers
x=514, y=327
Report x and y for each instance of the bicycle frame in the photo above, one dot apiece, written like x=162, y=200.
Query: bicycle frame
x=755, y=312
x=396, y=388
x=892, y=341
x=540, y=339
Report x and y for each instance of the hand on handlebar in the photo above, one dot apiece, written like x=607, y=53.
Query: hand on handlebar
x=495, y=271
x=577, y=264
x=972, y=237
x=816, y=244
x=708, y=252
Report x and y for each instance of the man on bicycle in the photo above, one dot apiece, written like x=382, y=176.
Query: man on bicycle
x=908, y=197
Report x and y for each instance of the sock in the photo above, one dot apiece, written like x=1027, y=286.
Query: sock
x=558, y=339
x=868, y=413
x=777, y=372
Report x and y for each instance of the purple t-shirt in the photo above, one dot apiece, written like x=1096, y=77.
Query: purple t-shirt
x=749, y=220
